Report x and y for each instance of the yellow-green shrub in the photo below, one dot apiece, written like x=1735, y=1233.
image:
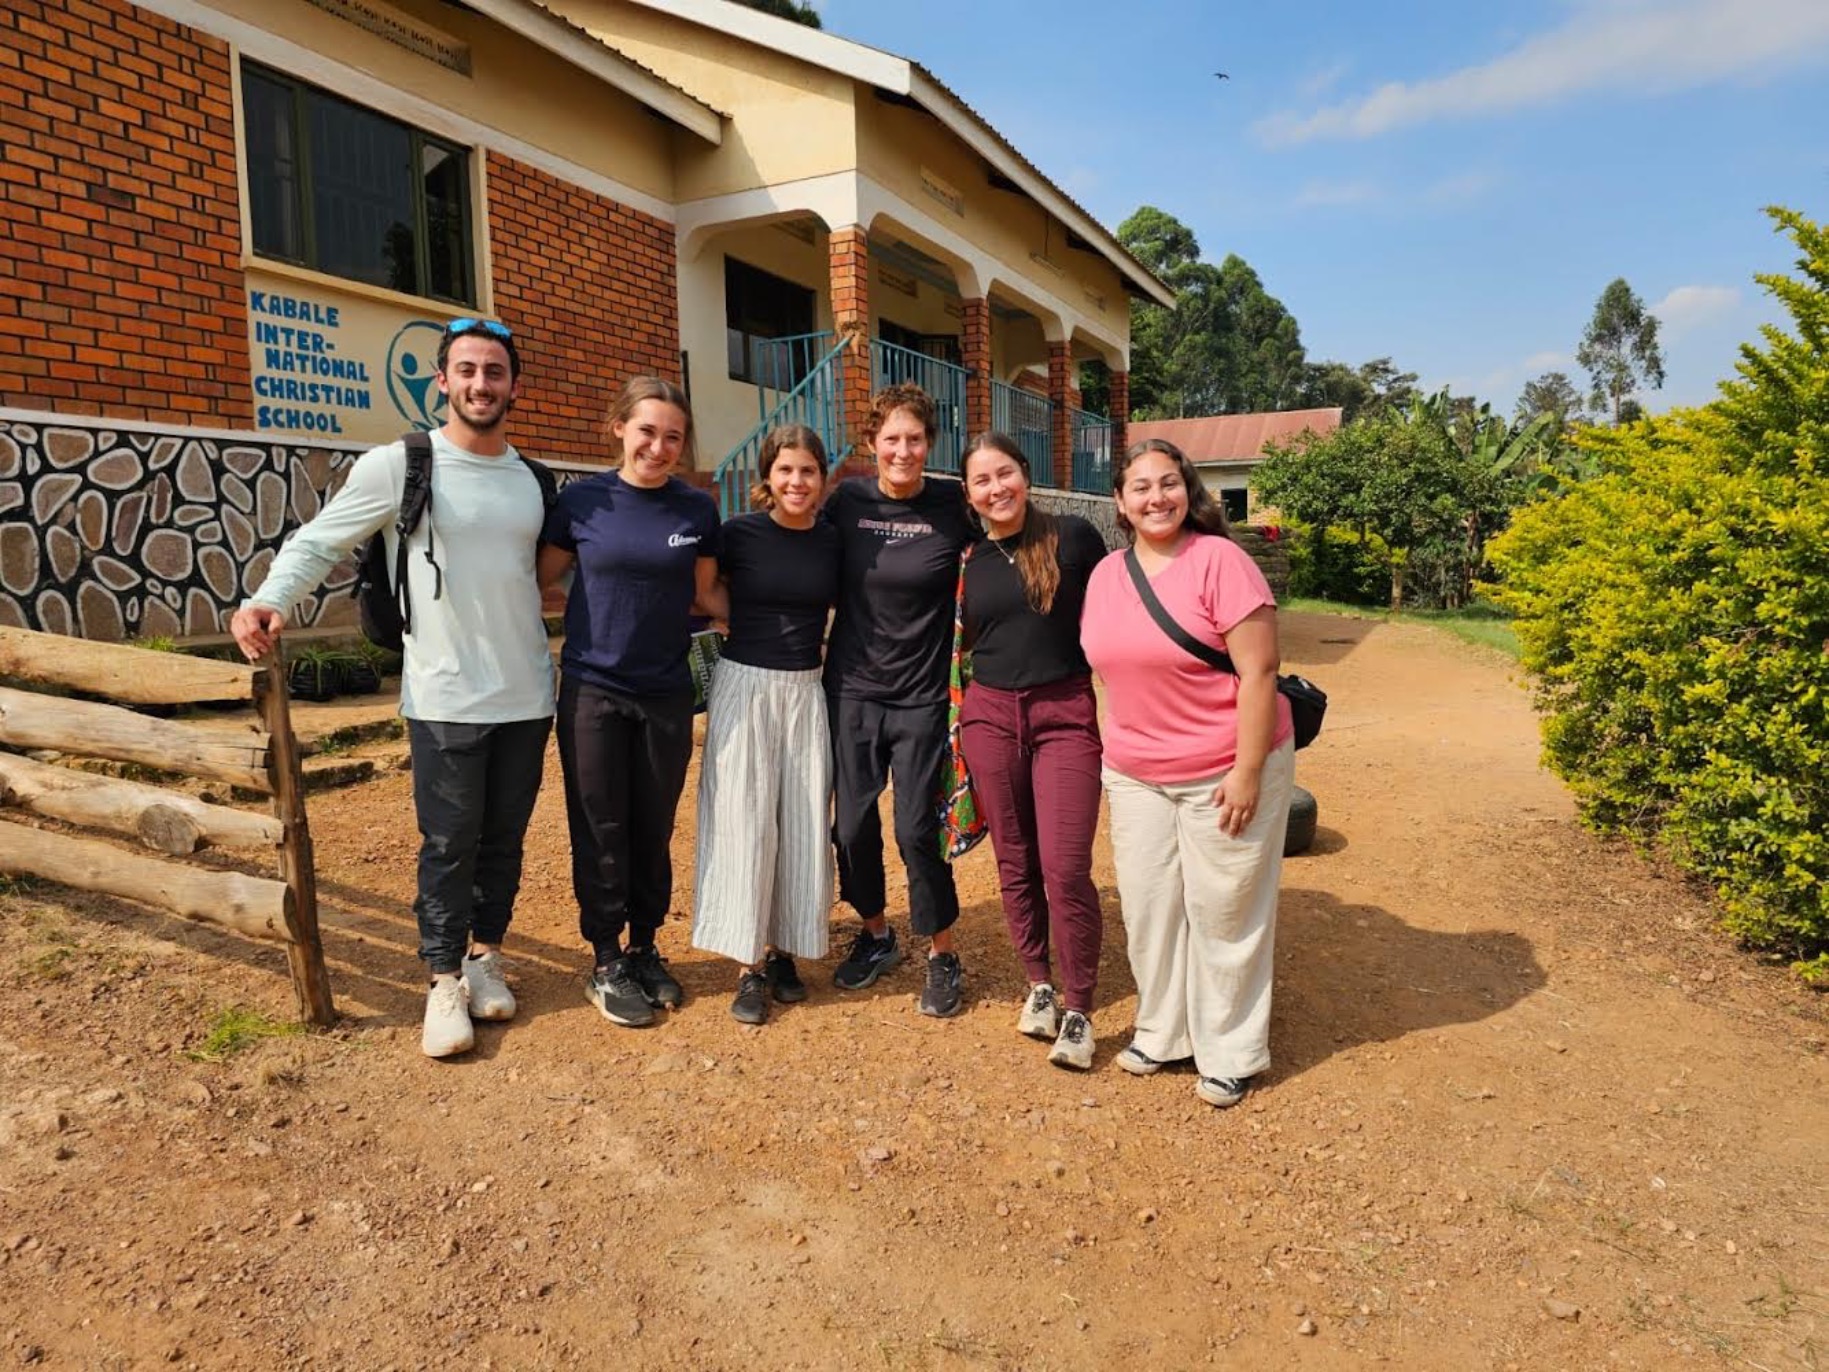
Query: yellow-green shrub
x=1674, y=612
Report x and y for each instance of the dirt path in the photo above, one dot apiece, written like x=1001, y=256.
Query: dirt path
x=1527, y=1111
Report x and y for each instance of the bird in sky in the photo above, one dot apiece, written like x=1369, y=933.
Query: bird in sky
x=1222, y=76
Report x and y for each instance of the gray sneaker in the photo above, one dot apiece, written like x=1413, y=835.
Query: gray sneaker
x=490, y=997
x=1074, y=1047
x=1041, y=1013
x=614, y=991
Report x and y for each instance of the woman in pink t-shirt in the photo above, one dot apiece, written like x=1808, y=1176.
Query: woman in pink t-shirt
x=1198, y=769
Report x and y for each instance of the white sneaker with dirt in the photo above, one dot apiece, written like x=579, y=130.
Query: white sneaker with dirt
x=1074, y=1047
x=490, y=997
x=1041, y=1013
x=447, y=1019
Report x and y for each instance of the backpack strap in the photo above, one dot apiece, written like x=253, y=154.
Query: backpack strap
x=1208, y=654
x=415, y=501
x=549, y=482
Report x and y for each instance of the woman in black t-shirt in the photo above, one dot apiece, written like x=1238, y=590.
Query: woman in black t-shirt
x=764, y=888
x=1030, y=729
x=886, y=674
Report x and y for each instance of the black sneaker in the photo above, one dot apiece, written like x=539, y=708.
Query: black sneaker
x=613, y=991
x=944, y=994
x=649, y=969
x=783, y=979
x=868, y=959
x=751, y=1004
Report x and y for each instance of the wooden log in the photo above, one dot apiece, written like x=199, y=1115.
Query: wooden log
x=231, y=752
x=165, y=820
x=257, y=906
x=297, y=865
x=120, y=672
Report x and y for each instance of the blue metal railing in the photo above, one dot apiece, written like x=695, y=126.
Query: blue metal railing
x=1091, y=453
x=778, y=365
x=816, y=400
x=894, y=365
x=1029, y=419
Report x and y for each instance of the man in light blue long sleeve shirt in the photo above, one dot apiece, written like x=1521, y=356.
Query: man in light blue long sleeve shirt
x=477, y=686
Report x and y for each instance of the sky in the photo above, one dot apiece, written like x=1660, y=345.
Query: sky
x=1448, y=184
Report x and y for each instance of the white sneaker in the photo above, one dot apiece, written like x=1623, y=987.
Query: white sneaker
x=447, y=1019
x=1041, y=1013
x=1074, y=1047
x=490, y=997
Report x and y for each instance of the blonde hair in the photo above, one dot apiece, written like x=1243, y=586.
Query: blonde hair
x=779, y=440
x=637, y=389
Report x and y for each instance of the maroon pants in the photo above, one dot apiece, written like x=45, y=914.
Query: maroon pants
x=1034, y=756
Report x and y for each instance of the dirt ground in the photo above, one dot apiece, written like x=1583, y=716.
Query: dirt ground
x=1528, y=1111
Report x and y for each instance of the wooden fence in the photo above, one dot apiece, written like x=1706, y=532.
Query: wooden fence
x=252, y=748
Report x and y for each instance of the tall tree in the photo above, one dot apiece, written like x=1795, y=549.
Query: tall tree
x=1619, y=349
x=787, y=9
x=1226, y=346
x=1553, y=394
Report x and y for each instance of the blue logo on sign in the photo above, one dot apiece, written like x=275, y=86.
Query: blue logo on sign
x=412, y=379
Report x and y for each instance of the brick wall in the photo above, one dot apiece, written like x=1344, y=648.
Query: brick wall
x=590, y=288
x=120, y=239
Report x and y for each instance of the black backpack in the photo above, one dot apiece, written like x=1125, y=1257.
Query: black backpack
x=384, y=602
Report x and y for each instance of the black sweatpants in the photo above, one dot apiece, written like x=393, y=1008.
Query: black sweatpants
x=624, y=759
x=871, y=740
x=474, y=786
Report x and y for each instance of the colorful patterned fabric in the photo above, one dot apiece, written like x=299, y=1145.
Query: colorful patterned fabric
x=962, y=824
x=701, y=656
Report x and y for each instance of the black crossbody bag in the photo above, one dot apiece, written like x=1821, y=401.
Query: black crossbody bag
x=1307, y=701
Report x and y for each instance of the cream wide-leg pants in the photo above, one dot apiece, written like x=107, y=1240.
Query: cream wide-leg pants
x=1200, y=916
x=765, y=815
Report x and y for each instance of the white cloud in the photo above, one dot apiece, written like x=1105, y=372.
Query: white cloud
x=1647, y=47
x=1318, y=83
x=1688, y=307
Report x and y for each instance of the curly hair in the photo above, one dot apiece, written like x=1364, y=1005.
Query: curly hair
x=902, y=396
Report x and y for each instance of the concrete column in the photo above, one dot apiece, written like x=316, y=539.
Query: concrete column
x=848, y=259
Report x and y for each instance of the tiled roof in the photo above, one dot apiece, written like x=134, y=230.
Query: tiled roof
x=1233, y=437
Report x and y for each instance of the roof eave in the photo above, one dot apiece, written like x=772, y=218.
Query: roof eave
x=539, y=26
x=970, y=129
x=899, y=76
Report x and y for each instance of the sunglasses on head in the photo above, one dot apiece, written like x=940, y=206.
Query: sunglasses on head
x=493, y=327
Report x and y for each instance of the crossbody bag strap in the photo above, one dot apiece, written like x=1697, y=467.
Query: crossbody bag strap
x=1208, y=654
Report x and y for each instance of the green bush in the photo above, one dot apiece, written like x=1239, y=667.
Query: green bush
x=1339, y=565
x=1674, y=613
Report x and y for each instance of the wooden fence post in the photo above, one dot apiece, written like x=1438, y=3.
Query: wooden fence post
x=305, y=951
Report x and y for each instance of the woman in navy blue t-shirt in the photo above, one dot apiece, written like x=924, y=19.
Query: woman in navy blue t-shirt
x=645, y=546
x=764, y=888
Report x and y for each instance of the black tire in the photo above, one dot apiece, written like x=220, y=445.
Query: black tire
x=1303, y=815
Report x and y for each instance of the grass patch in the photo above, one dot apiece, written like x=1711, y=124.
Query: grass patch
x=1486, y=625
x=236, y=1029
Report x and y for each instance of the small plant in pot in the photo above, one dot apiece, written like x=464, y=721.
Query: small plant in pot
x=385, y=661
x=315, y=673
x=361, y=676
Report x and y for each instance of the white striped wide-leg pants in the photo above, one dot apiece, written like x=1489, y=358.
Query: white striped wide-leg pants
x=765, y=815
